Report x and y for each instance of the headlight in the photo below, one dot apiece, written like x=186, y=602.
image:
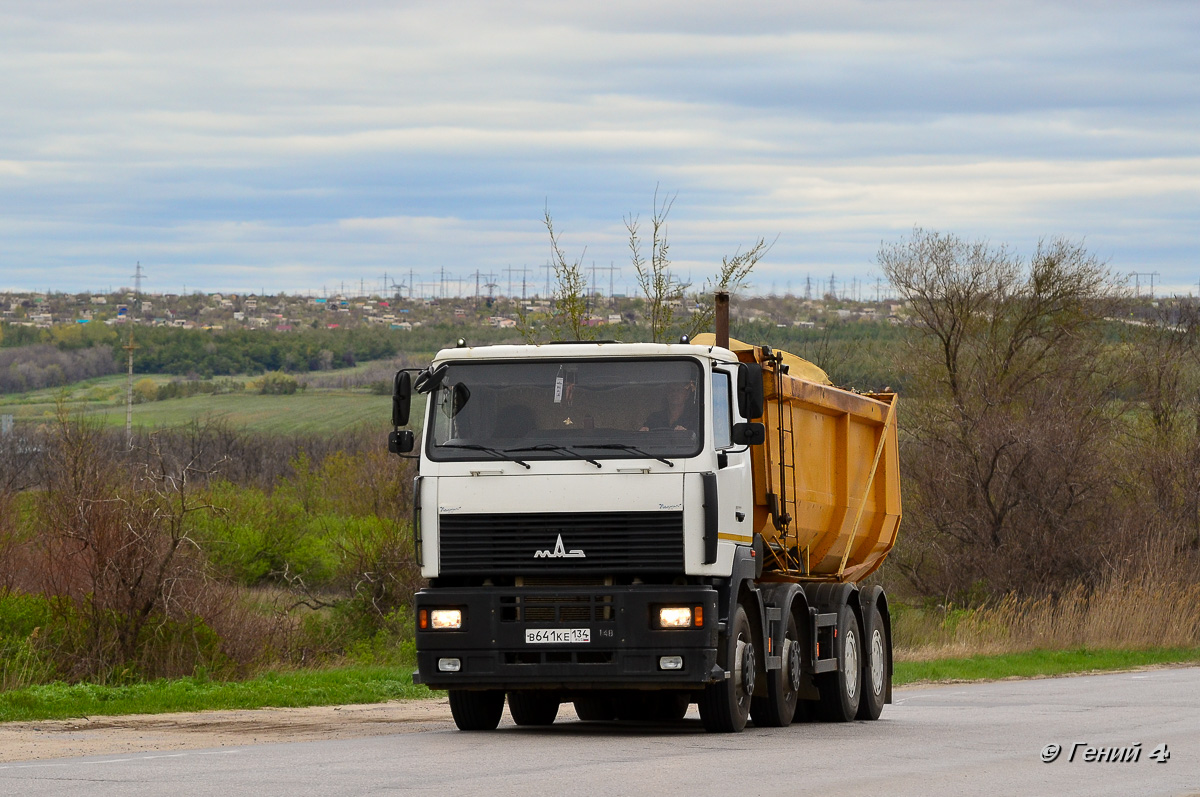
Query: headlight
x=675, y=617
x=445, y=619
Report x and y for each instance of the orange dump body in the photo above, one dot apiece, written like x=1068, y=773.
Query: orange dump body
x=827, y=481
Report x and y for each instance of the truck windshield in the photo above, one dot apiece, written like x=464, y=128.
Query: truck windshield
x=562, y=409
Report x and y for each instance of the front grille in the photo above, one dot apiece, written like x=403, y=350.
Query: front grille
x=610, y=542
x=551, y=608
x=559, y=657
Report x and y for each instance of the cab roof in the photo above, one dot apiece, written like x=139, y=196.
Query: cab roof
x=584, y=349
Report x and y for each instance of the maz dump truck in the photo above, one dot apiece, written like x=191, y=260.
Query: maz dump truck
x=636, y=527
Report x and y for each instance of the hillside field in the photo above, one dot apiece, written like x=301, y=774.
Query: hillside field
x=315, y=410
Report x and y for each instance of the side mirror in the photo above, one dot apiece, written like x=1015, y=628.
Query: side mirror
x=401, y=441
x=748, y=434
x=401, y=398
x=429, y=379
x=750, y=390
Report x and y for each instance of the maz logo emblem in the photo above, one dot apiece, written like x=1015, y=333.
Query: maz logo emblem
x=560, y=552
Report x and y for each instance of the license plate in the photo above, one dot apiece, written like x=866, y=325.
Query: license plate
x=557, y=636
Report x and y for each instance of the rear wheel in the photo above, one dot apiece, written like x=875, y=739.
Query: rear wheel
x=476, y=711
x=877, y=678
x=841, y=691
x=595, y=708
x=658, y=706
x=777, y=709
x=533, y=708
x=725, y=706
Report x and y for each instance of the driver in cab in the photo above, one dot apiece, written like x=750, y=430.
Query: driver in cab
x=679, y=413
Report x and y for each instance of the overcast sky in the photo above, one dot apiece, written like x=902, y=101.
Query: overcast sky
x=299, y=145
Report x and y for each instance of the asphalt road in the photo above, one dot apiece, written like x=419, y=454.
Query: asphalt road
x=985, y=739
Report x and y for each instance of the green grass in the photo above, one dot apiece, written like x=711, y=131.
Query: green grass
x=374, y=684
x=317, y=411
x=342, y=686
x=313, y=411
x=1037, y=663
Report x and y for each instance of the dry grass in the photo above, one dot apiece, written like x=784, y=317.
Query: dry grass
x=1156, y=605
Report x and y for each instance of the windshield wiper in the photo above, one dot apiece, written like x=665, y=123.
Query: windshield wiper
x=553, y=447
x=629, y=448
x=494, y=452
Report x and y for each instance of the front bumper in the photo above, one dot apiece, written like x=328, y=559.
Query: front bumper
x=624, y=648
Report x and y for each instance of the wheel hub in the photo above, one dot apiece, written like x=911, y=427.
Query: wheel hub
x=746, y=669
x=850, y=650
x=877, y=662
x=792, y=657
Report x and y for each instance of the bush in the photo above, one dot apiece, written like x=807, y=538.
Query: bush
x=277, y=383
x=126, y=564
x=144, y=390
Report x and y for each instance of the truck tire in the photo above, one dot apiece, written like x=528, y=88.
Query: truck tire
x=476, y=711
x=783, y=685
x=725, y=706
x=841, y=690
x=877, y=679
x=671, y=706
x=806, y=711
x=639, y=706
x=533, y=708
x=595, y=708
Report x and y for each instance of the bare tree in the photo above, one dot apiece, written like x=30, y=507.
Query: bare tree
x=1006, y=443
x=664, y=291
x=1164, y=354
x=117, y=553
x=570, y=297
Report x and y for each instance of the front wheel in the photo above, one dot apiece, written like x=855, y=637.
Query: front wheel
x=476, y=710
x=533, y=708
x=841, y=690
x=725, y=706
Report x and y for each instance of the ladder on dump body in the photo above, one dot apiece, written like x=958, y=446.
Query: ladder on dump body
x=788, y=561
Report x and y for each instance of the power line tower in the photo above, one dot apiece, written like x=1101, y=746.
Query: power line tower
x=397, y=289
x=523, y=270
x=129, y=347
x=610, y=269
x=1137, y=282
x=138, y=276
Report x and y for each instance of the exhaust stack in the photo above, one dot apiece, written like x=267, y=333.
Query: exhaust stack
x=721, y=318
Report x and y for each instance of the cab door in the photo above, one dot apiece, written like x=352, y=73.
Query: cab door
x=735, y=493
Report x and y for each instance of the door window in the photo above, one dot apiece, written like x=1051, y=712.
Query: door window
x=722, y=410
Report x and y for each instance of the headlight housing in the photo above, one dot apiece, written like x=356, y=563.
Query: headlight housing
x=440, y=619
x=674, y=617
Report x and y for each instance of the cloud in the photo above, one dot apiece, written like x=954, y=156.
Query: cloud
x=281, y=139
